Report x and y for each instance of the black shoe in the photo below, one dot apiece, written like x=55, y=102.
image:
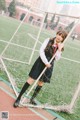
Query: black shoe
x=16, y=103
x=33, y=102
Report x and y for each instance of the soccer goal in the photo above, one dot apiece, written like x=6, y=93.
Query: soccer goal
x=65, y=85
x=19, y=47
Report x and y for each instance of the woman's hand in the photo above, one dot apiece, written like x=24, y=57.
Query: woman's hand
x=60, y=46
x=48, y=65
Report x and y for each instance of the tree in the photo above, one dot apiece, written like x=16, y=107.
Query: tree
x=51, y=25
x=69, y=27
x=22, y=16
x=45, y=21
x=53, y=17
x=2, y=5
x=12, y=8
x=54, y=24
x=58, y=19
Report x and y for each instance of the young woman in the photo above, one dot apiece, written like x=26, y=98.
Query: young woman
x=47, y=50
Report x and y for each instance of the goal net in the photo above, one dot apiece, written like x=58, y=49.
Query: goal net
x=20, y=42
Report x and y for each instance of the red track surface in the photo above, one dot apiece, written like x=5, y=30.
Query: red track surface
x=6, y=104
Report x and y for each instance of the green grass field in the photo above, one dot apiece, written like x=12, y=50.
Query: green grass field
x=66, y=74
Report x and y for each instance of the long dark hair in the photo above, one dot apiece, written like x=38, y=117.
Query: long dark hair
x=51, y=41
x=49, y=46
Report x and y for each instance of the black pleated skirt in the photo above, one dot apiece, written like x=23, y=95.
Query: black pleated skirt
x=38, y=67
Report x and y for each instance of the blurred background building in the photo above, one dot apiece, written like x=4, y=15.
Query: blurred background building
x=50, y=6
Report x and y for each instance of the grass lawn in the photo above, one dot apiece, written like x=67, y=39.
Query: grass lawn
x=66, y=73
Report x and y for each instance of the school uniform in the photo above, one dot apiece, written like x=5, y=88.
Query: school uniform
x=42, y=60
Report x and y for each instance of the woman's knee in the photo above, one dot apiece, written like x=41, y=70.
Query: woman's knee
x=40, y=83
x=30, y=80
